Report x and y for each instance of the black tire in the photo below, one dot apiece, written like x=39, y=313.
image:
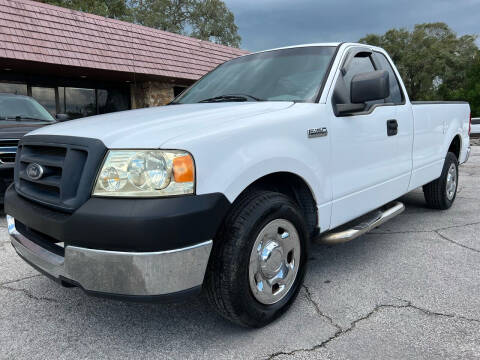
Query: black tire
x=227, y=278
x=435, y=192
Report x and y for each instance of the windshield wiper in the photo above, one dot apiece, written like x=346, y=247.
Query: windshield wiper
x=19, y=118
x=231, y=97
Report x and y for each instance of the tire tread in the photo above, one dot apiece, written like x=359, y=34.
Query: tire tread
x=435, y=192
x=219, y=282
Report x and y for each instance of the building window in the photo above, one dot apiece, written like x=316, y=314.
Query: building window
x=80, y=102
x=10, y=88
x=177, y=90
x=112, y=100
x=46, y=97
x=76, y=102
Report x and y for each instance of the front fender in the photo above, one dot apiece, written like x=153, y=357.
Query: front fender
x=231, y=157
x=235, y=171
x=235, y=185
x=232, y=172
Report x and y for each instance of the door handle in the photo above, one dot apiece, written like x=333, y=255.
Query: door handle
x=392, y=127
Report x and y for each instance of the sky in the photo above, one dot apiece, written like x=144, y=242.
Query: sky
x=265, y=24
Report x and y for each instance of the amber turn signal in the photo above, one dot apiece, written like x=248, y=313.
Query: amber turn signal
x=183, y=169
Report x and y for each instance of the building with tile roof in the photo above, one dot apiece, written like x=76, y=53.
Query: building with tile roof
x=83, y=64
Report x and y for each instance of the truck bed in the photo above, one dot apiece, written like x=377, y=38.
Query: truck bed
x=435, y=125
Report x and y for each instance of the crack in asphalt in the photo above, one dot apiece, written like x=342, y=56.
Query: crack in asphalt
x=376, y=309
x=18, y=280
x=456, y=226
x=423, y=231
x=436, y=231
x=28, y=294
x=309, y=297
x=409, y=304
x=456, y=243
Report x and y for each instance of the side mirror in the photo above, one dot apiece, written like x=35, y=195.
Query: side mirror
x=370, y=86
x=62, y=117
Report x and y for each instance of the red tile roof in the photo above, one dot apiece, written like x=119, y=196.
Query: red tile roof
x=44, y=33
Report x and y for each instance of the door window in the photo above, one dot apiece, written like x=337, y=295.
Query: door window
x=358, y=65
x=396, y=95
x=361, y=63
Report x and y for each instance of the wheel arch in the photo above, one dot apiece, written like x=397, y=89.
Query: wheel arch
x=455, y=146
x=293, y=186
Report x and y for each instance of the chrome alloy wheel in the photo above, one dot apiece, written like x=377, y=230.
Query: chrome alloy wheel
x=274, y=261
x=451, y=186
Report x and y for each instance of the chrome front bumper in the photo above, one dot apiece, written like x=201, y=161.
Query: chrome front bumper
x=119, y=273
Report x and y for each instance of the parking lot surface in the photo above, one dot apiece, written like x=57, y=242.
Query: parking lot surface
x=409, y=289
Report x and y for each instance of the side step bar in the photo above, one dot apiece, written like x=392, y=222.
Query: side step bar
x=362, y=225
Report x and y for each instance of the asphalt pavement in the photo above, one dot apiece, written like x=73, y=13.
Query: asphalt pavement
x=408, y=290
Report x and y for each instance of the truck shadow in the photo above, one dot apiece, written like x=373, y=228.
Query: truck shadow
x=169, y=327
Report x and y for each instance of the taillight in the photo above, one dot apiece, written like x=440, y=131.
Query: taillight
x=470, y=125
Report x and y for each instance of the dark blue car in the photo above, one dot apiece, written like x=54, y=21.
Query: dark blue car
x=18, y=115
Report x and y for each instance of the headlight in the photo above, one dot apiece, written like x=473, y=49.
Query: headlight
x=146, y=173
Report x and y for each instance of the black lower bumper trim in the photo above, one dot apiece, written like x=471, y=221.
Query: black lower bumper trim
x=162, y=299
x=136, y=225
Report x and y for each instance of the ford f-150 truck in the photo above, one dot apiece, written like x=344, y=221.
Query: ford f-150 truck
x=225, y=188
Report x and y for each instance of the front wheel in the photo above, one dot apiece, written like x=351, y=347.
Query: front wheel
x=440, y=193
x=258, y=261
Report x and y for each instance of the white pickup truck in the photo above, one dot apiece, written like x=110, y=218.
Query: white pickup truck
x=224, y=189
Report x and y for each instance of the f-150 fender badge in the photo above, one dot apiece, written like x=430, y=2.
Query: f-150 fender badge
x=319, y=132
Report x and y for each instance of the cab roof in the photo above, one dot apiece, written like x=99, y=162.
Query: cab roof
x=335, y=44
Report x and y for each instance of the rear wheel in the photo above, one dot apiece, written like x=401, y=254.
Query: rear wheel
x=440, y=193
x=258, y=261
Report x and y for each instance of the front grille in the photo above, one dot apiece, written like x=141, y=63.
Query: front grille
x=7, y=158
x=9, y=142
x=69, y=166
x=8, y=149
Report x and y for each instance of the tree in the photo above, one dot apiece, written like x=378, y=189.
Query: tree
x=168, y=15
x=470, y=91
x=211, y=20
x=114, y=9
x=203, y=19
x=430, y=58
x=207, y=19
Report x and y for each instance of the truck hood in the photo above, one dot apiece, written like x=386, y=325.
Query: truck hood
x=152, y=127
x=11, y=129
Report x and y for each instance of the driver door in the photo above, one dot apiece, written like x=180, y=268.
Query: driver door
x=365, y=172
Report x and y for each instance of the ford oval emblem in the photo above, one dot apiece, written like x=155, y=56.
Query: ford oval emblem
x=34, y=171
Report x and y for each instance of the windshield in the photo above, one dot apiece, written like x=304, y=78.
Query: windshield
x=22, y=108
x=294, y=74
